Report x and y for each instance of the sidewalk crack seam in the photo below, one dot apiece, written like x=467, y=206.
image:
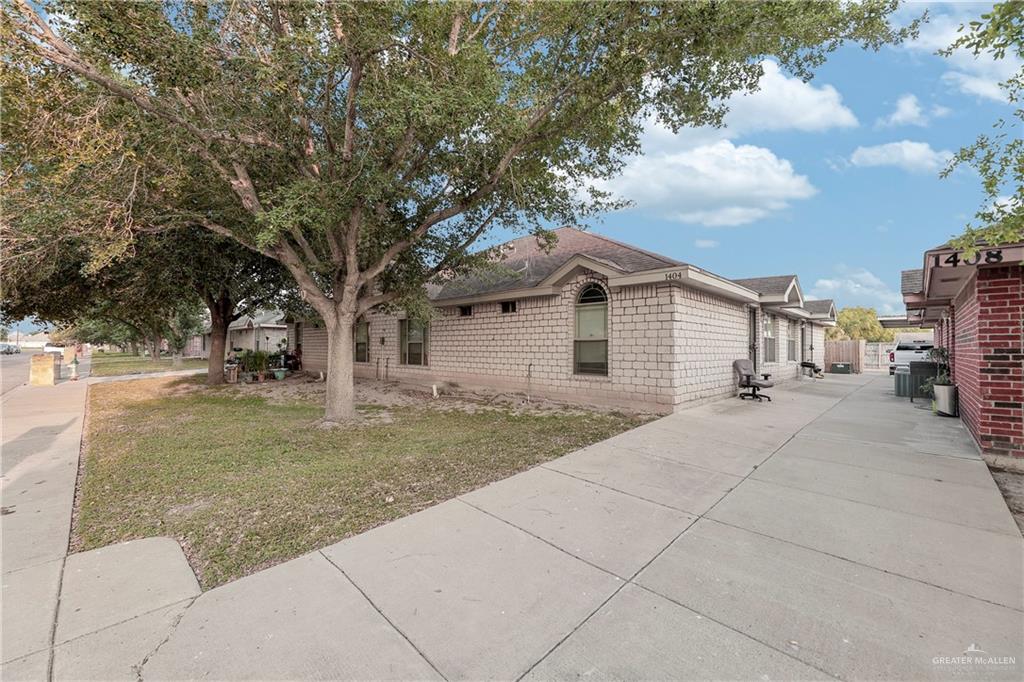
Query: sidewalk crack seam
x=384, y=616
x=137, y=669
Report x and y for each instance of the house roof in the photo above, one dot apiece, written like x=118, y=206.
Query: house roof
x=819, y=306
x=912, y=281
x=525, y=264
x=778, y=284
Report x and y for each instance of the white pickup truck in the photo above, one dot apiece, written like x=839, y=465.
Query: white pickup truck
x=907, y=350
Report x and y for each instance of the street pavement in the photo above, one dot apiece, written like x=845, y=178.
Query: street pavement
x=837, y=532
x=14, y=371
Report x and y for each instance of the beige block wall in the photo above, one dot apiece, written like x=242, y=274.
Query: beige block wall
x=532, y=349
x=818, y=337
x=710, y=332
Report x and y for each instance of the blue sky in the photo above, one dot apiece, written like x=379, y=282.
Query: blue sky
x=836, y=180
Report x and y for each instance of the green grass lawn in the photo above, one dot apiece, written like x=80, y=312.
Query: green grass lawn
x=243, y=483
x=116, y=364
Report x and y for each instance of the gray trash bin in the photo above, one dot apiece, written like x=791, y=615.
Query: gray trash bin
x=902, y=382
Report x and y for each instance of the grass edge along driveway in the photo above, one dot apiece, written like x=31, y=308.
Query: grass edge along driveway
x=244, y=484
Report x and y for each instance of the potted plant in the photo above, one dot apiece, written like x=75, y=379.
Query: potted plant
x=260, y=361
x=246, y=362
x=941, y=387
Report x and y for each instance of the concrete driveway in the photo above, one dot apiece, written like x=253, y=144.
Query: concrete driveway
x=836, y=532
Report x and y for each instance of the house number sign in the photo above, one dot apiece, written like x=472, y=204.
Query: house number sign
x=678, y=274
x=989, y=257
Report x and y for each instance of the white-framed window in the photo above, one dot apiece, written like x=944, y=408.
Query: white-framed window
x=768, y=340
x=361, y=342
x=792, y=336
x=508, y=307
x=590, y=345
x=414, y=341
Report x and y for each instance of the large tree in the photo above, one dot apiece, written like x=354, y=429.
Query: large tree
x=374, y=143
x=998, y=157
x=859, y=323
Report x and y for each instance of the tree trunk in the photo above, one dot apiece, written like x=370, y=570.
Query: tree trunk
x=340, y=389
x=220, y=315
x=154, y=348
x=134, y=345
x=176, y=360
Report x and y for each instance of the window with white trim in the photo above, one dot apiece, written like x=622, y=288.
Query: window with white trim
x=792, y=334
x=590, y=344
x=769, y=350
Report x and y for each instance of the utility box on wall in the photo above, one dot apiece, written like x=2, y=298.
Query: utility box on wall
x=840, y=368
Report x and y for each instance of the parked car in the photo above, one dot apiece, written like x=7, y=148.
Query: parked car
x=909, y=350
x=9, y=348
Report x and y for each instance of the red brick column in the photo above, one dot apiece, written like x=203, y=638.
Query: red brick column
x=990, y=359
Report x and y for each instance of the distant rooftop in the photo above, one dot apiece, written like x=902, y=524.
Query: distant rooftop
x=819, y=307
x=777, y=284
x=912, y=281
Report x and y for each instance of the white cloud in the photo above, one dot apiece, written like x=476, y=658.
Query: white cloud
x=859, y=286
x=973, y=75
x=910, y=112
x=702, y=176
x=786, y=103
x=715, y=184
x=705, y=243
x=915, y=157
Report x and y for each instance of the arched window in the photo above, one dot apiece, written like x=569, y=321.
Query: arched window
x=590, y=347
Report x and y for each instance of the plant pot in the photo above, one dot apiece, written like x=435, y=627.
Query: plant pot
x=231, y=375
x=261, y=377
x=945, y=400
x=279, y=374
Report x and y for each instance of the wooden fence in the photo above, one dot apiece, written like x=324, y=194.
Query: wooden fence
x=845, y=351
x=876, y=354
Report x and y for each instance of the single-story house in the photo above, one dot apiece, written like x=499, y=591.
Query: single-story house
x=976, y=308
x=263, y=330
x=592, y=320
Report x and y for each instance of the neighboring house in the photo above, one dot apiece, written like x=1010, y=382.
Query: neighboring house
x=594, y=320
x=976, y=308
x=32, y=341
x=261, y=331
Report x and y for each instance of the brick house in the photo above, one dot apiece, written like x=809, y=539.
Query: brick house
x=593, y=320
x=976, y=308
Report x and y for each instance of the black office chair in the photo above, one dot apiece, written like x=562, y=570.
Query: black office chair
x=748, y=379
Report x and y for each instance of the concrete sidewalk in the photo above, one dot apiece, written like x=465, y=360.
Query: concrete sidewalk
x=42, y=429
x=837, y=531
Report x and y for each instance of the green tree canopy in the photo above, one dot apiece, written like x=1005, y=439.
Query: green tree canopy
x=859, y=323
x=370, y=145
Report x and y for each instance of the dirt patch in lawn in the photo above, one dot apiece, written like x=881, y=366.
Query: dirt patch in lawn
x=1011, y=485
x=240, y=478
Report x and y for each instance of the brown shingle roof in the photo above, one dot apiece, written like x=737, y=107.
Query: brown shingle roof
x=819, y=306
x=525, y=264
x=767, y=285
x=912, y=281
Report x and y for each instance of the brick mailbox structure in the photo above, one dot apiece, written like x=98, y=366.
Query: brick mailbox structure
x=976, y=307
x=45, y=369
